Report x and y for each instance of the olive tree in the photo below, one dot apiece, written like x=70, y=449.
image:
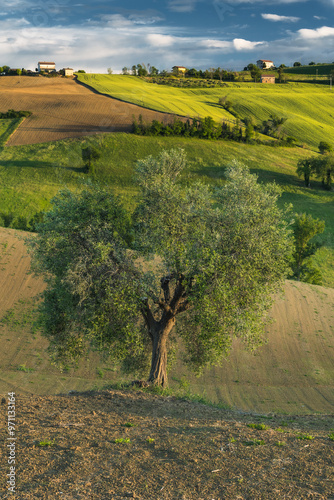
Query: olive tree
x=193, y=263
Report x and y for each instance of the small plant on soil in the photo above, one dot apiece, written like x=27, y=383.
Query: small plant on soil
x=280, y=443
x=331, y=436
x=150, y=440
x=46, y=442
x=122, y=440
x=254, y=442
x=129, y=424
x=305, y=436
x=24, y=368
x=260, y=427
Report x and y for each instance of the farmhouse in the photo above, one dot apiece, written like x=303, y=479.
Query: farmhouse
x=267, y=78
x=264, y=64
x=46, y=66
x=179, y=70
x=68, y=71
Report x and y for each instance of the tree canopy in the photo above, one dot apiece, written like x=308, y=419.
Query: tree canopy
x=192, y=264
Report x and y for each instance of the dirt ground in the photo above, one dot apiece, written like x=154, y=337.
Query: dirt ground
x=66, y=448
x=63, y=108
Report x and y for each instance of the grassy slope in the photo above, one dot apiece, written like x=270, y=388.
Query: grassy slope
x=293, y=373
x=31, y=175
x=7, y=128
x=308, y=108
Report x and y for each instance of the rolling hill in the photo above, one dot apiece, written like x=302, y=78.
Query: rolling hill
x=307, y=107
x=292, y=373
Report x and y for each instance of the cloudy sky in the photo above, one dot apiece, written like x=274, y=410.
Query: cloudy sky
x=194, y=33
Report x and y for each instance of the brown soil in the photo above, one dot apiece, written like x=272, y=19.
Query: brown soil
x=293, y=373
x=177, y=451
x=63, y=108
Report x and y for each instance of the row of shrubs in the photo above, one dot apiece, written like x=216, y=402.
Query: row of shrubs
x=11, y=113
x=8, y=219
x=205, y=128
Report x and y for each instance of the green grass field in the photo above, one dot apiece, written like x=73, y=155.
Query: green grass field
x=307, y=107
x=7, y=128
x=314, y=70
x=31, y=175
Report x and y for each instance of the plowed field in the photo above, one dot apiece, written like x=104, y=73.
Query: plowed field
x=61, y=108
x=293, y=373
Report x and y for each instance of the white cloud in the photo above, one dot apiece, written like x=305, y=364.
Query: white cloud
x=276, y=18
x=241, y=44
x=159, y=40
x=216, y=44
x=322, y=32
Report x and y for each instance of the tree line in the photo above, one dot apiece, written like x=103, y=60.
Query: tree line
x=11, y=113
x=322, y=166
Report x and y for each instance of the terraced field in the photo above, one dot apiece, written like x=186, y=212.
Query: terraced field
x=61, y=109
x=307, y=107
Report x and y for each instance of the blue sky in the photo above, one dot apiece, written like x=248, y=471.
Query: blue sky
x=105, y=34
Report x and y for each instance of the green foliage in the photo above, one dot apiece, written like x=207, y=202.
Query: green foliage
x=306, y=437
x=89, y=154
x=260, y=427
x=220, y=254
x=305, y=228
x=46, y=442
x=254, y=442
x=122, y=441
x=11, y=114
x=325, y=147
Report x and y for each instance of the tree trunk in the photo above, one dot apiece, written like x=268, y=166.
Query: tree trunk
x=158, y=373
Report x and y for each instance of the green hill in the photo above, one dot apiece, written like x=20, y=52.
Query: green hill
x=307, y=107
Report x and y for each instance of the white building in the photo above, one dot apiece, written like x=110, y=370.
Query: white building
x=46, y=66
x=264, y=64
x=68, y=71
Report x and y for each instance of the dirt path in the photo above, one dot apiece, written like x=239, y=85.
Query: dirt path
x=62, y=108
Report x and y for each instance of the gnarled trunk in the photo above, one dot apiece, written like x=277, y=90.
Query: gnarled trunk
x=158, y=373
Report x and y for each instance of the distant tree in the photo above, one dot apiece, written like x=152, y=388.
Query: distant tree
x=141, y=70
x=306, y=168
x=311, y=63
x=219, y=255
x=281, y=74
x=324, y=147
x=254, y=71
x=296, y=64
x=134, y=70
x=81, y=71
x=192, y=73
x=273, y=126
x=305, y=228
x=89, y=154
x=324, y=169
x=154, y=71
x=322, y=166
x=109, y=71
x=125, y=71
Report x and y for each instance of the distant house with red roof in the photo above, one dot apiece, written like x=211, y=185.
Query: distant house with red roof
x=46, y=66
x=179, y=70
x=264, y=64
x=267, y=78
